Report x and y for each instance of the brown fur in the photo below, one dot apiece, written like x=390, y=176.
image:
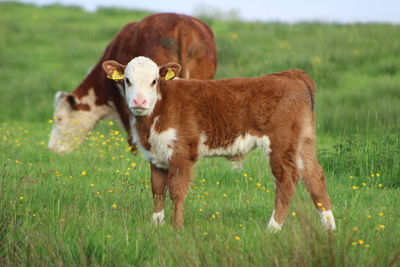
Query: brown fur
x=163, y=38
x=278, y=105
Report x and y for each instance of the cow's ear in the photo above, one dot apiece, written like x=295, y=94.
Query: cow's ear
x=114, y=70
x=71, y=100
x=58, y=96
x=170, y=70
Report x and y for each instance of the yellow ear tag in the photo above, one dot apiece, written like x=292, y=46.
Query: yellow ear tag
x=116, y=76
x=170, y=74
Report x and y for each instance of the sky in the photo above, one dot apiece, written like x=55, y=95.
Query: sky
x=342, y=11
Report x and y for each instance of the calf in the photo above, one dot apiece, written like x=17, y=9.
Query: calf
x=176, y=122
x=164, y=38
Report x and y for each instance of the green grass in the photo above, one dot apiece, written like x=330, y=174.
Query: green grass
x=52, y=214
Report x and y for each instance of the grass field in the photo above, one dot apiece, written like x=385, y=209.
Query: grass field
x=93, y=207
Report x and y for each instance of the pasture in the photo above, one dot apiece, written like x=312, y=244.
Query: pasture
x=94, y=207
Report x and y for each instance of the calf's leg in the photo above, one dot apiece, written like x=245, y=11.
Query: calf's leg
x=313, y=177
x=286, y=175
x=179, y=179
x=159, y=182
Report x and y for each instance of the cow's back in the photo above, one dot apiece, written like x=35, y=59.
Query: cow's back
x=165, y=38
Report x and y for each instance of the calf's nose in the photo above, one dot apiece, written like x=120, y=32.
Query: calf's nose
x=138, y=103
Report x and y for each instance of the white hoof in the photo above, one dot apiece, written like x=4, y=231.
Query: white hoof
x=327, y=220
x=158, y=217
x=273, y=226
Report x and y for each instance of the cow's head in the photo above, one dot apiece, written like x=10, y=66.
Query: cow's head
x=141, y=79
x=73, y=118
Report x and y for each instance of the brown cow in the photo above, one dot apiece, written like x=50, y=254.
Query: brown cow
x=162, y=37
x=177, y=122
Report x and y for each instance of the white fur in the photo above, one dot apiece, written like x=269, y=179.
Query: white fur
x=327, y=220
x=71, y=126
x=141, y=72
x=162, y=144
x=241, y=146
x=273, y=226
x=158, y=217
x=300, y=164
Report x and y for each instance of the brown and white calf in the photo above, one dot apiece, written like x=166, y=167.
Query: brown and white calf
x=162, y=37
x=176, y=122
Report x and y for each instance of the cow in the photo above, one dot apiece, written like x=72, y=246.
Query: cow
x=163, y=37
x=177, y=122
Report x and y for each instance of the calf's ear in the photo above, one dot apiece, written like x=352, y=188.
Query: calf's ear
x=114, y=70
x=170, y=70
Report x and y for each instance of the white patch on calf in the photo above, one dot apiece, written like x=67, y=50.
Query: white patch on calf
x=327, y=220
x=299, y=162
x=273, y=226
x=158, y=217
x=241, y=146
x=162, y=144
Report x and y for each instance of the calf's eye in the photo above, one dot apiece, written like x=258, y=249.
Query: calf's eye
x=128, y=82
x=153, y=82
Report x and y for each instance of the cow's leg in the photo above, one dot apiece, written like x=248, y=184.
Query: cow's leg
x=179, y=179
x=313, y=178
x=286, y=173
x=159, y=182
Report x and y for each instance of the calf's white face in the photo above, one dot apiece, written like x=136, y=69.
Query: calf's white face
x=141, y=77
